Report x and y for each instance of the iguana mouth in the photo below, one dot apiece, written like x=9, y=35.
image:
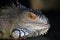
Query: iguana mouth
x=35, y=25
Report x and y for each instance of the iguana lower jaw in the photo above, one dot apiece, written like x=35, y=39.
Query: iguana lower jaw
x=27, y=32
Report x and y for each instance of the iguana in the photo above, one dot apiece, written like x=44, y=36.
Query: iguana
x=20, y=17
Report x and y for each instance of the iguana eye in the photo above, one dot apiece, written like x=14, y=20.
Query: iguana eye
x=30, y=15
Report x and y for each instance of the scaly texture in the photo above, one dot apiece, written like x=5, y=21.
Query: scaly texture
x=22, y=17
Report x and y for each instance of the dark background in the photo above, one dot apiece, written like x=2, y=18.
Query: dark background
x=54, y=19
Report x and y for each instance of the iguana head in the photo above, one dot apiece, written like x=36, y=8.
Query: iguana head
x=32, y=24
x=36, y=24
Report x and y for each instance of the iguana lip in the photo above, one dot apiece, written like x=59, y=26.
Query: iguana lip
x=35, y=25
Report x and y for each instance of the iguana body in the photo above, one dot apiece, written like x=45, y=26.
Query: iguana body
x=14, y=17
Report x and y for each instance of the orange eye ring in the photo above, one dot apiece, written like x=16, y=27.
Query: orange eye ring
x=30, y=15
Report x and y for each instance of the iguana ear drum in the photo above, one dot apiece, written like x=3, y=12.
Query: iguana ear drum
x=19, y=33
x=15, y=33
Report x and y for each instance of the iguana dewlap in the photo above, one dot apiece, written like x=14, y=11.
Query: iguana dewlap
x=20, y=17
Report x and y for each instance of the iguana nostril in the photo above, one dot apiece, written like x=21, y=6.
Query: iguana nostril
x=43, y=19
